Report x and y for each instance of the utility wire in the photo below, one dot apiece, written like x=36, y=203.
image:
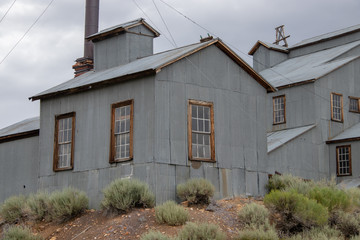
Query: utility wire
x=164, y=23
x=271, y=69
x=27, y=31
x=7, y=11
x=138, y=6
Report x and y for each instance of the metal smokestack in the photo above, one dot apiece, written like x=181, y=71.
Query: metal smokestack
x=91, y=25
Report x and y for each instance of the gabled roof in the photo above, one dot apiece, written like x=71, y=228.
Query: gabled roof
x=144, y=67
x=268, y=46
x=308, y=68
x=327, y=36
x=115, y=30
x=350, y=134
x=277, y=139
x=26, y=128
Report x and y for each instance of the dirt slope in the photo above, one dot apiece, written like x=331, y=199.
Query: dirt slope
x=96, y=225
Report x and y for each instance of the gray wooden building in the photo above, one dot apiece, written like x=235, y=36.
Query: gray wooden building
x=313, y=118
x=194, y=111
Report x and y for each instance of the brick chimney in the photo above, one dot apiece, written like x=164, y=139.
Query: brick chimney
x=86, y=63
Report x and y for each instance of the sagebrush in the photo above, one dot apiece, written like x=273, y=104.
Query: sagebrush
x=20, y=233
x=38, y=206
x=324, y=233
x=196, y=191
x=124, y=194
x=154, y=235
x=296, y=211
x=13, y=209
x=254, y=214
x=347, y=223
x=171, y=214
x=330, y=197
x=256, y=233
x=200, y=231
x=66, y=204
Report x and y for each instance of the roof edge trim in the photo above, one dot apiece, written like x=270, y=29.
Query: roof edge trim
x=17, y=136
x=343, y=140
x=257, y=45
x=95, y=85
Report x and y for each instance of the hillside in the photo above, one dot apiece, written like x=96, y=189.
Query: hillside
x=95, y=224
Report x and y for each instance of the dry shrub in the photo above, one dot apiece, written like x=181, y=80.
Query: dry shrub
x=330, y=197
x=13, y=209
x=256, y=233
x=124, y=194
x=20, y=233
x=154, y=235
x=200, y=231
x=66, y=204
x=345, y=222
x=324, y=233
x=171, y=214
x=196, y=191
x=38, y=206
x=296, y=211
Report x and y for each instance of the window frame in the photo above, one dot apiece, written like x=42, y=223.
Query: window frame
x=212, y=131
x=358, y=100
x=341, y=107
x=337, y=161
x=284, y=99
x=56, y=141
x=112, y=132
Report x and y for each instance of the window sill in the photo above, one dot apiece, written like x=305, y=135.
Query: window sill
x=63, y=169
x=121, y=160
x=344, y=175
x=202, y=160
x=339, y=121
x=279, y=123
x=354, y=111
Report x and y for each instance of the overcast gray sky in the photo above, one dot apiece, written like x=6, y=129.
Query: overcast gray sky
x=45, y=55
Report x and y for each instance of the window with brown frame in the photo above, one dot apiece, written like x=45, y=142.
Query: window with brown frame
x=336, y=107
x=343, y=160
x=201, y=140
x=121, y=131
x=279, y=112
x=354, y=104
x=64, y=142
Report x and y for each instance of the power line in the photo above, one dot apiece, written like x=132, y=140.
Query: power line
x=138, y=6
x=164, y=23
x=7, y=11
x=271, y=69
x=27, y=31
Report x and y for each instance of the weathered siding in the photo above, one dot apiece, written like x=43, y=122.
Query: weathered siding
x=19, y=161
x=299, y=107
x=265, y=58
x=239, y=101
x=92, y=170
x=122, y=49
x=324, y=45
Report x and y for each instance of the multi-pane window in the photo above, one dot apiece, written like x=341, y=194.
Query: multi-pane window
x=279, y=109
x=343, y=157
x=354, y=104
x=201, y=131
x=336, y=107
x=64, y=141
x=121, y=131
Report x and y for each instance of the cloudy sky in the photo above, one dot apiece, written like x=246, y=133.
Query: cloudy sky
x=44, y=56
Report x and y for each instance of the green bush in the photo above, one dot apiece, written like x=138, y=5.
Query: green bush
x=12, y=210
x=347, y=223
x=154, y=235
x=124, y=194
x=20, y=233
x=38, y=205
x=200, y=231
x=171, y=214
x=354, y=195
x=330, y=197
x=66, y=204
x=288, y=182
x=196, y=191
x=254, y=233
x=254, y=214
x=324, y=233
x=297, y=212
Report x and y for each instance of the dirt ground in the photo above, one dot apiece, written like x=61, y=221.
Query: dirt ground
x=97, y=225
